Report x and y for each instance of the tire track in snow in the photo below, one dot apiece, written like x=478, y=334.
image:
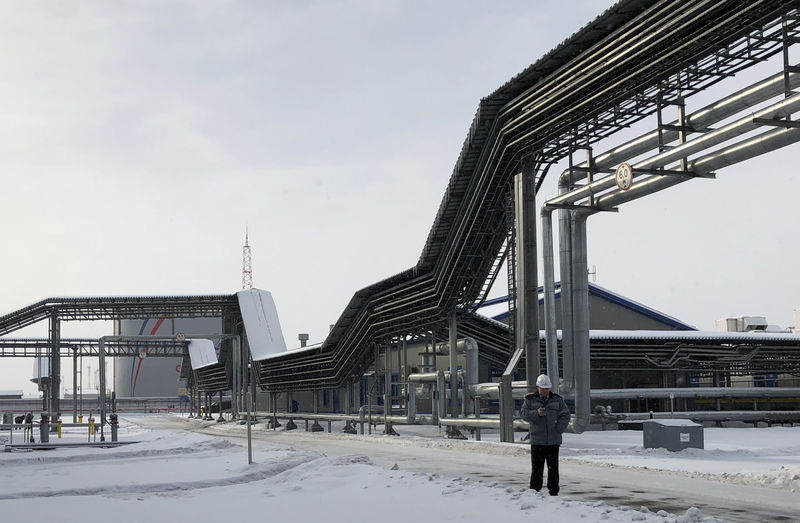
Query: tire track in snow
x=261, y=472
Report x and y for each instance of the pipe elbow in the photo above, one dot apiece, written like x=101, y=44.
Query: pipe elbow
x=578, y=424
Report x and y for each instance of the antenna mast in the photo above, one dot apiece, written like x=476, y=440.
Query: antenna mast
x=247, y=263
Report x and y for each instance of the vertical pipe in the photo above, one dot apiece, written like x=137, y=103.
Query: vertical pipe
x=580, y=302
x=412, y=403
x=453, y=331
x=551, y=339
x=565, y=254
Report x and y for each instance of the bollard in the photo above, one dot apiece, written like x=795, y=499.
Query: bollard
x=80, y=418
x=114, y=426
x=91, y=428
x=44, y=428
x=59, y=429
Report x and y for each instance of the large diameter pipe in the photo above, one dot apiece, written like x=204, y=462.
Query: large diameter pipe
x=469, y=347
x=737, y=128
x=551, y=339
x=580, y=341
x=698, y=120
x=739, y=152
x=491, y=391
x=428, y=377
x=565, y=254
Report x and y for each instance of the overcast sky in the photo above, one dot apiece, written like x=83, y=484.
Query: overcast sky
x=139, y=139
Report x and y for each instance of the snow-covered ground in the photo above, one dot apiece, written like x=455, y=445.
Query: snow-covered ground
x=185, y=468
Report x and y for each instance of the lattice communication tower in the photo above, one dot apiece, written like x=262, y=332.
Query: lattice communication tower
x=247, y=264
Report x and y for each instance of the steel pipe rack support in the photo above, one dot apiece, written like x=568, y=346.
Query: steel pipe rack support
x=453, y=333
x=699, y=120
x=506, y=409
x=739, y=127
x=527, y=312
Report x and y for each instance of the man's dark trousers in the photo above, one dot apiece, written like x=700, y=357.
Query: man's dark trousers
x=539, y=455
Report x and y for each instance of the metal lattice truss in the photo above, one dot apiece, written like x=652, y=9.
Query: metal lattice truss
x=56, y=310
x=618, y=69
x=117, y=308
x=70, y=347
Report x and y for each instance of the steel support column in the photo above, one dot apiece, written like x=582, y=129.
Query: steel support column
x=54, y=390
x=453, y=332
x=527, y=324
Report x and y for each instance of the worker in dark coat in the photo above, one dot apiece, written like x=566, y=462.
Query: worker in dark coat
x=548, y=417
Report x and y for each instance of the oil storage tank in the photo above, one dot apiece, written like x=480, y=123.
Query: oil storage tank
x=143, y=377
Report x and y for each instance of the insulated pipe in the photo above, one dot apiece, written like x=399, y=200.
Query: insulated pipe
x=580, y=325
x=428, y=377
x=565, y=254
x=491, y=391
x=551, y=339
x=735, y=153
x=469, y=376
x=723, y=134
x=698, y=120
x=411, y=402
x=366, y=410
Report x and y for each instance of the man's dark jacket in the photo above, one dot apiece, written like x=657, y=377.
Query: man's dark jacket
x=547, y=429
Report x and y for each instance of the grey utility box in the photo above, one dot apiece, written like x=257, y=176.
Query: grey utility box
x=672, y=434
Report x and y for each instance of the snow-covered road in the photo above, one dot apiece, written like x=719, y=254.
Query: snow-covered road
x=595, y=466
x=177, y=468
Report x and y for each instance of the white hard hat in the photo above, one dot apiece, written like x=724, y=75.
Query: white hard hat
x=543, y=381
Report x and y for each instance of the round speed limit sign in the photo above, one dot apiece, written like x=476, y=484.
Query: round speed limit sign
x=624, y=176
